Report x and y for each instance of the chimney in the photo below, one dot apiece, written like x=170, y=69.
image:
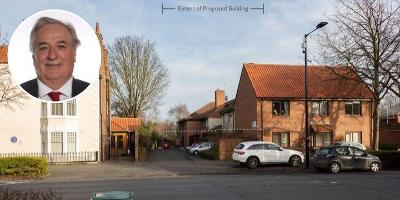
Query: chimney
x=219, y=98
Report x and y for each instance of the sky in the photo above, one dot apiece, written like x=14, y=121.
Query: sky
x=202, y=49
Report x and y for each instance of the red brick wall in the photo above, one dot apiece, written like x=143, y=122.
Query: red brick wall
x=294, y=123
x=389, y=134
x=246, y=103
x=187, y=130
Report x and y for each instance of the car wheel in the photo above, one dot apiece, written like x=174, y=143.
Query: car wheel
x=374, y=167
x=195, y=153
x=335, y=167
x=252, y=162
x=295, y=161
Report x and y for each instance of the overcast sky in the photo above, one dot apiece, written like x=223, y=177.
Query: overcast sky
x=202, y=50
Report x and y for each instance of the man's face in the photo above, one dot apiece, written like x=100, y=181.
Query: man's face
x=54, y=55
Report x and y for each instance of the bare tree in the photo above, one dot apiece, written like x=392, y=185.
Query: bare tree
x=139, y=78
x=178, y=112
x=10, y=94
x=3, y=37
x=366, y=39
x=390, y=101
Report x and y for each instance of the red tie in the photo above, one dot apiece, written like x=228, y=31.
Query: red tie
x=55, y=96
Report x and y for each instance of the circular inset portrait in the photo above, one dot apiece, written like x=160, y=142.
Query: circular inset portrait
x=54, y=55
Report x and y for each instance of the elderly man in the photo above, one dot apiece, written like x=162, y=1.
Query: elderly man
x=53, y=45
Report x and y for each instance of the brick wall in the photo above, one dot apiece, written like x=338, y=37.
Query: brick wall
x=228, y=141
x=294, y=122
x=187, y=127
x=245, y=104
x=389, y=134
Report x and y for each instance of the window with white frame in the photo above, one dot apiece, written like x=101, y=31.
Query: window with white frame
x=57, y=109
x=71, y=142
x=353, y=137
x=56, y=142
x=323, y=139
x=281, y=139
x=44, y=109
x=320, y=107
x=71, y=107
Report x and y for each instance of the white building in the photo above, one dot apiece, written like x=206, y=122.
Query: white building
x=71, y=126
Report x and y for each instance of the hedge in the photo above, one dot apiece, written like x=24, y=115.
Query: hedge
x=212, y=153
x=389, y=159
x=23, y=166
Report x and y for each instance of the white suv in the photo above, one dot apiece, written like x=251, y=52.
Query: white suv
x=253, y=153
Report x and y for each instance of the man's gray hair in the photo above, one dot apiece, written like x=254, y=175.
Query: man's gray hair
x=47, y=20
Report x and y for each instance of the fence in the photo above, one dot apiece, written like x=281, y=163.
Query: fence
x=59, y=157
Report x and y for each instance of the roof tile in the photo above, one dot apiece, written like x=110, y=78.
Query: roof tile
x=3, y=54
x=125, y=124
x=287, y=81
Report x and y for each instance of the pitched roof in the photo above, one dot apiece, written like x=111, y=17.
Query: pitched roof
x=287, y=81
x=228, y=106
x=207, y=111
x=3, y=54
x=321, y=128
x=125, y=124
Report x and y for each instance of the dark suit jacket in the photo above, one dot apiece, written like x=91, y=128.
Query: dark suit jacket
x=33, y=89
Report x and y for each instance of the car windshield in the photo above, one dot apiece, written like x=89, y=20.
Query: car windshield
x=240, y=146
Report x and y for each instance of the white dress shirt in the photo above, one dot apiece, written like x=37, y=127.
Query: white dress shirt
x=65, y=90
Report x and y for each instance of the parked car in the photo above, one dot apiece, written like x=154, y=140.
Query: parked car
x=338, y=158
x=254, y=153
x=201, y=147
x=165, y=144
x=191, y=146
x=353, y=144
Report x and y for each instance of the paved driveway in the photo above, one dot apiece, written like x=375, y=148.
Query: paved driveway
x=179, y=162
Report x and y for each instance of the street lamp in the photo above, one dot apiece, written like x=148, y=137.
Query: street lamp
x=320, y=25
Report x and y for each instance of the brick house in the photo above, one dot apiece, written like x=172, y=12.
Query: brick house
x=270, y=98
x=125, y=136
x=200, y=123
x=228, y=116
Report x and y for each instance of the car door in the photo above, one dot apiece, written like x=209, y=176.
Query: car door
x=271, y=153
x=360, y=160
x=343, y=154
x=204, y=146
x=257, y=150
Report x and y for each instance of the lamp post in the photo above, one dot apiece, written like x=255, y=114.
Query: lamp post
x=307, y=141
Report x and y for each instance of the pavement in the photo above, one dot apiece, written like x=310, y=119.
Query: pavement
x=162, y=163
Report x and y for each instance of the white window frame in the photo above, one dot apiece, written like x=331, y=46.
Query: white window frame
x=350, y=135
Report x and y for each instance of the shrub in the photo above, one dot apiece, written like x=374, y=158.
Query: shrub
x=23, y=166
x=13, y=194
x=388, y=147
x=390, y=159
x=212, y=153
